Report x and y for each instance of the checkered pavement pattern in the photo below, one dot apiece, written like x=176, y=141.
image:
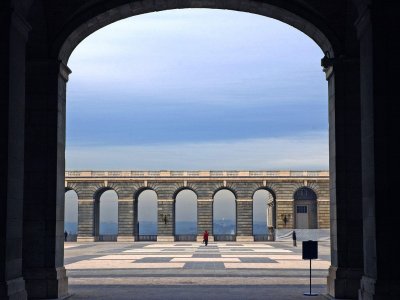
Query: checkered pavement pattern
x=219, y=255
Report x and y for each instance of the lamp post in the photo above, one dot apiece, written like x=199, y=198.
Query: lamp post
x=165, y=218
x=285, y=218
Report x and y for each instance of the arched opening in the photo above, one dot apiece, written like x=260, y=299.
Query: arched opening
x=71, y=216
x=305, y=209
x=224, y=216
x=78, y=30
x=224, y=226
x=264, y=215
x=147, y=209
x=107, y=212
x=167, y=116
x=186, y=216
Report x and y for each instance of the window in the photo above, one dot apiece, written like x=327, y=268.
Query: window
x=302, y=209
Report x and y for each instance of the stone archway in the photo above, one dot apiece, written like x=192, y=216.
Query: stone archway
x=268, y=213
x=71, y=215
x=224, y=215
x=106, y=215
x=48, y=56
x=185, y=215
x=146, y=215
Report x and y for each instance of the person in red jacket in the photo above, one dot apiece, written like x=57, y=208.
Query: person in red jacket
x=205, y=237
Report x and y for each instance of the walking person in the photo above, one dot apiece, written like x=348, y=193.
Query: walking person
x=205, y=237
x=294, y=238
x=65, y=235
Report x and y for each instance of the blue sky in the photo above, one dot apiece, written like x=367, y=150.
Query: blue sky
x=197, y=89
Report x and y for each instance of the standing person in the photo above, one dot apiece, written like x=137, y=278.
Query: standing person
x=205, y=237
x=65, y=235
x=294, y=238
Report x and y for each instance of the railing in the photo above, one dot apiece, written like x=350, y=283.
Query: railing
x=185, y=237
x=108, y=238
x=228, y=174
x=224, y=237
x=147, y=238
x=262, y=238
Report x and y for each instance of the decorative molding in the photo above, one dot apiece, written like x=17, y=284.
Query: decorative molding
x=19, y=22
x=64, y=71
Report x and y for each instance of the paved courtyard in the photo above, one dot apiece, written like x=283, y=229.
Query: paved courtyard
x=186, y=270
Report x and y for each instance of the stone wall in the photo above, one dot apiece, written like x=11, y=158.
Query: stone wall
x=282, y=185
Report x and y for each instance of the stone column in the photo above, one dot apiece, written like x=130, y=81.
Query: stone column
x=205, y=218
x=43, y=251
x=126, y=220
x=244, y=220
x=378, y=32
x=13, y=35
x=270, y=207
x=270, y=220
x=166, y=220
x=86, y=220
x=345, y=178
x=323, y=214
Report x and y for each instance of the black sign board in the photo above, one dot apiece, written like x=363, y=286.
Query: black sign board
x=310, y=249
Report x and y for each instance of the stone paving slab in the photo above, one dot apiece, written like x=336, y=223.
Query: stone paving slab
x=206, y=259
x=204, y=265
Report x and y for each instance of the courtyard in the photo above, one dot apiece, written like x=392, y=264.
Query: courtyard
x=189, y=270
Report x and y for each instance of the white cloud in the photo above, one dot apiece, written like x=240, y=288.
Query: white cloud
x=308, y=151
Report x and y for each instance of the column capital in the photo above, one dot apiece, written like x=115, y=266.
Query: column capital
x=64, y=71
x=330, y=64
x=49, y=66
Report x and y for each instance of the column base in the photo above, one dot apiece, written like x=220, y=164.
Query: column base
x=344, y=283
x=84, y=239
x=13, y=289
x=125, y=238
x=200, y=238
x=165, y=238
x=46, y=283
x=371, y=289
x=244, y=238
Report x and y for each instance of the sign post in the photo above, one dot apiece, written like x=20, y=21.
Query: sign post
x=310, y=251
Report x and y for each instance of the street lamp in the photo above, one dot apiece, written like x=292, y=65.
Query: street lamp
x=165, y=218
x=285, y=218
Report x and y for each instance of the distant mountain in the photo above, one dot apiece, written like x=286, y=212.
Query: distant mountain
x=147, y=228
x=71, y=227
x=186, y=227
x=182, y=227
x=108, y=228
x=224, y=227
x=260, y=228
